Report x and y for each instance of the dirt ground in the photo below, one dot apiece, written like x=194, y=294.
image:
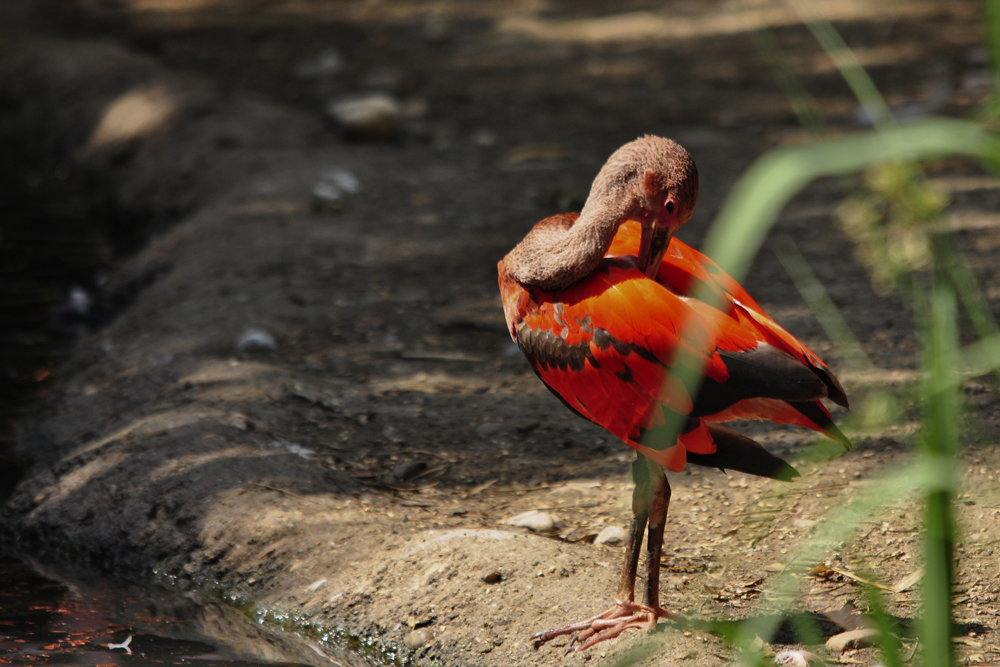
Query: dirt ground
x=351, y=469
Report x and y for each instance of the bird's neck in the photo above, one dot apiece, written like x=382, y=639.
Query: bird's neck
x=558, y=253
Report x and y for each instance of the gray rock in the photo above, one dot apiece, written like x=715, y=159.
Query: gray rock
x=79, y=301
x=325, y=63
x=611, y=535
x=539, y=522
x=327, y=196
x=329, y=191
x=343, y=179
x=489, y=428
x=484, y=136
x=255, y=339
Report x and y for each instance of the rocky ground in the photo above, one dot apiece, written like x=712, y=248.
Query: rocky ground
x=306, y=399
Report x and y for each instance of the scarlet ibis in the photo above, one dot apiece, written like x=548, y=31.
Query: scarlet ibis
x=602, y=304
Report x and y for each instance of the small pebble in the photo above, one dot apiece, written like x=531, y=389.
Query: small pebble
x=238, y=421
x=611, y=535
x=343, y=179
x=324, y=64
x=79, y=301
x=327, y=197
x=484, y=137
x=328, y=193
x=793, y=658
x=417, y=638
x=494, y=577
x=298, y=450
x=539, y=522
x=255, y=339
x=374, y=115
x=489, y=428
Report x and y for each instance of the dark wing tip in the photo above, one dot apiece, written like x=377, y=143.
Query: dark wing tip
x=787, y=474
x=834, y=390
x=838, y=435
x=818, y=415
x=735, y=451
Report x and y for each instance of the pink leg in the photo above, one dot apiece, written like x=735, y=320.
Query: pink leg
x=650, y=501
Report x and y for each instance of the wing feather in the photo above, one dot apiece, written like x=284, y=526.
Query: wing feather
x=605, y=345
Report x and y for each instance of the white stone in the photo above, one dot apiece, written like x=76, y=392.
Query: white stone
x=539, y=522
x=611, y=535
x=370, y=114
x=417, y=638
x=256, y=339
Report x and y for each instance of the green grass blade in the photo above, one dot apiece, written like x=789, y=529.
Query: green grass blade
x=939, y=445
x=819, y=302
x=772, y=180
x=992, y=30
x=758, y=197
x=854, y=74
x=887, y=641
x=802, y=103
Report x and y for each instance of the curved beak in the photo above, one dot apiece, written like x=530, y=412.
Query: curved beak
x=656, y=234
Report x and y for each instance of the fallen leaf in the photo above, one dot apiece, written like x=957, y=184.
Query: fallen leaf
x=482, y=487
x=909, y=581
x=851, y=575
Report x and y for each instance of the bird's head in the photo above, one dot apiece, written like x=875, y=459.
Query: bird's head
x=655, y=181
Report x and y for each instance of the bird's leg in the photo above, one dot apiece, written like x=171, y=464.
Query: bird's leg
x=633, y=547
x=649, y=506
x=654, y=545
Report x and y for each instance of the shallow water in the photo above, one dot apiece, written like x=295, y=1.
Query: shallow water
x=44, y=621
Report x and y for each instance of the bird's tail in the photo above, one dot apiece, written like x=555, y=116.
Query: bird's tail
x=735, y=451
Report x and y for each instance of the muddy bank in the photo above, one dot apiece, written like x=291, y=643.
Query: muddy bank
x=316, y=410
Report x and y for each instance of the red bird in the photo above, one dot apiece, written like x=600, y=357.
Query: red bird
x=602, y=305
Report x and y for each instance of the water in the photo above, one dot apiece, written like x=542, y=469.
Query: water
x=44, y=621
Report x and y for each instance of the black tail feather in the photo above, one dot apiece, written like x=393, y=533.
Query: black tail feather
x=735, y=451
x=811, y=410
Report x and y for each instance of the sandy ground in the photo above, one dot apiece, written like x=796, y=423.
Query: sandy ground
x=355, y=477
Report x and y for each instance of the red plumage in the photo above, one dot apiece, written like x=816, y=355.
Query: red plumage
x=603, y=344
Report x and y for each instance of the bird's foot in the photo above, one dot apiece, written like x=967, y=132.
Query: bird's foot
x=608, y=625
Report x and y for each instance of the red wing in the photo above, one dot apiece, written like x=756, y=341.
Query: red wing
x=604, y=345
x=684, y=270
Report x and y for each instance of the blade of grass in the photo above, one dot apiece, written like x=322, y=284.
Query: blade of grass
x=854, y=74
x=802, y=103
x=887, y=641
x=772, y=180
x=939, y=444
x=755, y=201
x=992, y=30
x=819, y=302
x=965, y=283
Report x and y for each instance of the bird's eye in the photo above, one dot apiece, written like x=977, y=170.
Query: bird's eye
x=670, y=206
